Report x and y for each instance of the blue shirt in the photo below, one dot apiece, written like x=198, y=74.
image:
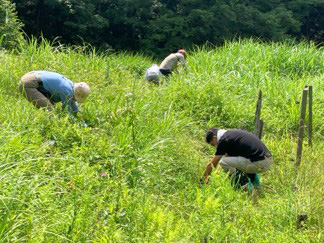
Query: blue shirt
x=61, y=89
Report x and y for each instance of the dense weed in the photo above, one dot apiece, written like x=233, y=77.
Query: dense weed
x=133, y=174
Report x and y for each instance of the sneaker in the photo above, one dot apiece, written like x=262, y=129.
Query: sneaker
x=250, y=186
x=256, y=182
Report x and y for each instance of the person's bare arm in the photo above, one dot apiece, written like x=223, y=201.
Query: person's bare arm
x=213, y=162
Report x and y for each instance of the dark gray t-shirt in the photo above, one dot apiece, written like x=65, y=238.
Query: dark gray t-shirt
x=241, y=143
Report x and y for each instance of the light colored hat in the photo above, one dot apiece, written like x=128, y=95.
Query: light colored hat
x=81, y=91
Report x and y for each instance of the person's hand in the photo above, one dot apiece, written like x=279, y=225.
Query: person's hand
x=204, y=180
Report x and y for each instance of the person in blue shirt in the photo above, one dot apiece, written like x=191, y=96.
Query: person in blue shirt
x=44, y=89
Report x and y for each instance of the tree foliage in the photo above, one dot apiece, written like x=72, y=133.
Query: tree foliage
x=160, y=26
x=10, y=26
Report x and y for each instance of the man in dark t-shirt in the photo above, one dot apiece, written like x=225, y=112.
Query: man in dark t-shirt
x=237, y=150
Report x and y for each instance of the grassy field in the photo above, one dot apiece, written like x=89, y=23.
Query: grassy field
x=133, y=175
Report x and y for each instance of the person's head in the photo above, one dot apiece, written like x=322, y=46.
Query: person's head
x=211, y=136
x=81, y=91
x=183, y=52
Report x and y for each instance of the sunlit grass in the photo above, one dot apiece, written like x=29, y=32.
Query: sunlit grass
x=133, y=175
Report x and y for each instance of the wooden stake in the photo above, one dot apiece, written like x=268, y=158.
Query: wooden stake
x=301, y=127
x=257, y=115
x=310, y=116
x=261, y=129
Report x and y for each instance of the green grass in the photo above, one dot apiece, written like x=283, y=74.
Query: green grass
x=149, y=140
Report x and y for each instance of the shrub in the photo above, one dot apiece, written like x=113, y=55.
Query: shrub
x=10, y=25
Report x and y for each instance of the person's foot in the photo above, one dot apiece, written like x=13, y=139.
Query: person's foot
x=256, y=182
x=250, y=186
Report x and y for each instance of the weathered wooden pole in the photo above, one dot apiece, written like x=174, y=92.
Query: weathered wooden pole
x=301, y=127
x=257, y=122
x=310, y=115
x=261, y=129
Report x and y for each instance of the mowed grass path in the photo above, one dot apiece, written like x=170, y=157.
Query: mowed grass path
x=133, y=175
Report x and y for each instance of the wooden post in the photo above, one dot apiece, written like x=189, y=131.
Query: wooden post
x=301, y=127
x=310, y=115
x=261, y=129
x=257, y=125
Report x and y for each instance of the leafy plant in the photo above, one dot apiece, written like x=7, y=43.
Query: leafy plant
x=10, y=25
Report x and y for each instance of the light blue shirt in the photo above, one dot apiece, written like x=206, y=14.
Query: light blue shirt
x=61, y=89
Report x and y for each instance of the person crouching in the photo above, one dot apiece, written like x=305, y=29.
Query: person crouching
x=44, y=89
x=238, y=150
x=170, y=63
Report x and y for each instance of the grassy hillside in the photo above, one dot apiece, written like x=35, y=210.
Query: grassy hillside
x=133, y=175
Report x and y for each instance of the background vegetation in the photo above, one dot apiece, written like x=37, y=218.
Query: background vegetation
x=10, y=25
x=158, y=27
x=133, y=175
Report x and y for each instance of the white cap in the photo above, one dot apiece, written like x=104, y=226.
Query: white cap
x=81, y=91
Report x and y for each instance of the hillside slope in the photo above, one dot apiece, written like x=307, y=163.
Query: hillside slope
x=133, y=175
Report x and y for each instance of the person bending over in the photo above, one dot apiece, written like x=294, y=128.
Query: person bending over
x=170, y=63
x=238, y=150
x=44, y=89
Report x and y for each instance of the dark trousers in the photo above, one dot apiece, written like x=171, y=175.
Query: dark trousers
x=166, y=72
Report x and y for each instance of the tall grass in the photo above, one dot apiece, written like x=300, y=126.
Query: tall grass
x=133, y=175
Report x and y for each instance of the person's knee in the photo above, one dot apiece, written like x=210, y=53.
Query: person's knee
x=43, y=103
x=50, y=107
x=227, y=168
